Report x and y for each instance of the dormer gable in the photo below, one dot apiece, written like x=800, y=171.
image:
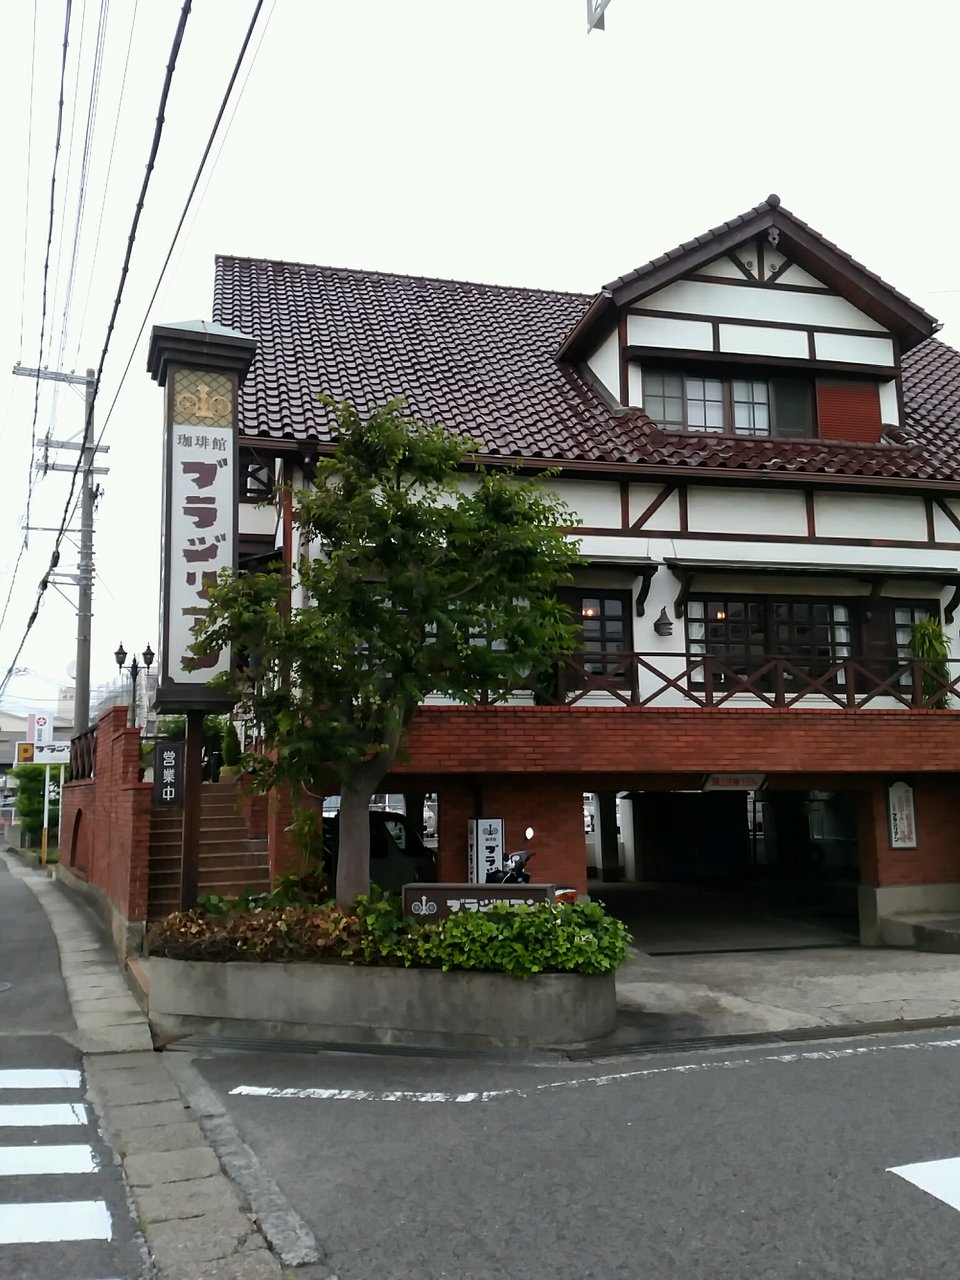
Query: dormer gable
x=759, y=327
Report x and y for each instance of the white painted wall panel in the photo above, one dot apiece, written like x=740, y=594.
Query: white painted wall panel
x=722, y=267
x=852, y=349
x=654, y=331
x=667, y=515
x=723, y=510
x=783, y=554
x=749, y=339
x=605, y=363
x=261, y=520
x=596, y=502
x=635, y=385
x=796, y=275
x=889, y=403
x=702, y=298
x=944, y=530
x=854, y=515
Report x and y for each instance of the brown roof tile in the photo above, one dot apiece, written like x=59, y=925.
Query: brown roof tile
x=479, y=358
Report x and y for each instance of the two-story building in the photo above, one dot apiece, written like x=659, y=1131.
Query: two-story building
x=761, y=439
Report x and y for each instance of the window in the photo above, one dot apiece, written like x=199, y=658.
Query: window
x=603, y=617
x=781, y=406
x=745, y=633
x=905, y=614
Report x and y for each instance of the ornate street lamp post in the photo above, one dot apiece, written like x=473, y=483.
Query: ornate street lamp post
x=135, y=670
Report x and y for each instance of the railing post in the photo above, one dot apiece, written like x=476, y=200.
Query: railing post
x=779, y=691
x=634, y=680
x=916, y=683
x=707, y=679
x=849, y=680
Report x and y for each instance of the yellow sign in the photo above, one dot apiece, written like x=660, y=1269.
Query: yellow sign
x=24, y=753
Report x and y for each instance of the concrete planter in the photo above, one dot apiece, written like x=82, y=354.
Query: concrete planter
x=342, y=1004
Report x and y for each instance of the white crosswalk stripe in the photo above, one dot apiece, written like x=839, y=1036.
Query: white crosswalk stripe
x=61, y=1200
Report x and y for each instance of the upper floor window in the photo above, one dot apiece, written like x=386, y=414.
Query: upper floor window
x=743, y=406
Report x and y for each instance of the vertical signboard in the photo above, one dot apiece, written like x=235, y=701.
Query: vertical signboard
x=42, y=730
x=484, y=848
x=201, y=517
x=901, y=816
x=168, y=775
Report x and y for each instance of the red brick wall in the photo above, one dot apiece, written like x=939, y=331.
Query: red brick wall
x=553, y=806
x=112, y=839
x=936, y=859
x=643, y=740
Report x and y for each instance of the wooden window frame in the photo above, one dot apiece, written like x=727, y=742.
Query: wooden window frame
x=727, y=377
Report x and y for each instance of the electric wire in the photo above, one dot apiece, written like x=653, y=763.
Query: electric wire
x=26, y=205
x=66, y=180
x=190, y=194
x=46, y=261
x=118, y=297
x=93, y=96
x=106, y=182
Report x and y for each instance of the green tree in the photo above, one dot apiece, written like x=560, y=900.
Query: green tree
x=29, y=802
x=422, y=573
x=231, y=745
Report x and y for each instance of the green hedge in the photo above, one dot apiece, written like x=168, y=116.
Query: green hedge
x=520, y=941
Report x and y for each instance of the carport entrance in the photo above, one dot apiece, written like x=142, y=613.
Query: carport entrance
x=700, y=871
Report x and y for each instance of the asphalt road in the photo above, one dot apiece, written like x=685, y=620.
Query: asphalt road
x=765, y=1164
x=63, y=1208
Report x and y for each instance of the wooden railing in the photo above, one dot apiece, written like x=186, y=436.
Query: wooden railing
x=669, y=679
x=83, y=755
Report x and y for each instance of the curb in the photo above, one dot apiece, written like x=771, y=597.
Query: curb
x=181, y=1161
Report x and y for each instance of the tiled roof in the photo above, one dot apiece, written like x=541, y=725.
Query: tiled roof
x=480, y=359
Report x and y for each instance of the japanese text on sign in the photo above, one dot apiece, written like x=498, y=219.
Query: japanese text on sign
x=202, y=516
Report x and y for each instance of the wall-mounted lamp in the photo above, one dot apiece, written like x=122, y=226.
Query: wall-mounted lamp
x=663, y=625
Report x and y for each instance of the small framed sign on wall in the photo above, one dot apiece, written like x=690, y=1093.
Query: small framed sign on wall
x=901, y=816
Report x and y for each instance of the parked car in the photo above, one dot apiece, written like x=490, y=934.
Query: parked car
x=398, y=855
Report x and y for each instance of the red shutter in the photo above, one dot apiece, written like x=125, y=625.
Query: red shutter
x=848, y=410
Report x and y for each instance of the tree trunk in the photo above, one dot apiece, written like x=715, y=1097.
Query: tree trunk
x=353, y=856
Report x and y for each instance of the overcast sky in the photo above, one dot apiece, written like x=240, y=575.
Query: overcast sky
x=489, y=140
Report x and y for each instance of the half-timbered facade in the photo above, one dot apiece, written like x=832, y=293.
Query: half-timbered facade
x=761, y=440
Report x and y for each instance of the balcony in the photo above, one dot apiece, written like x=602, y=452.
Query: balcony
x=703, y=680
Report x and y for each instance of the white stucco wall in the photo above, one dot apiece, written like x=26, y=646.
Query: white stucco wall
x=723, y=510
x=709, y=299
x=604, y=363
x=854, y=515
x=853, y=349
x=658, y=331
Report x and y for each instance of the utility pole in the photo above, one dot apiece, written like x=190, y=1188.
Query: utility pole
x=83, y=579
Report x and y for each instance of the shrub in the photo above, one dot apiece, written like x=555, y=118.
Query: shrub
x=231, y=745
x=520, y=941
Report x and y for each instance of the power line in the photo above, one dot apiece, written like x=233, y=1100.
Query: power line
x=26, y=205
x=131, y=238
x=106, y=182
x=190, y=194
x=93, y=100
x=46, y=261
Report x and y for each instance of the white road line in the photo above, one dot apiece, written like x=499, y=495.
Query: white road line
x=677, y=1068
x=54, y=1221
x=31, y=1114
x=46, y=1079
x=941, y=1178
x=22, y=1162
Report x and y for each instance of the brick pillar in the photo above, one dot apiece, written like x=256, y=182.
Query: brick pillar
x=283, y=854
x=455, y=807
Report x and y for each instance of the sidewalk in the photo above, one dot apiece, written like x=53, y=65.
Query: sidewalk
x=199, y=1224
x=672, y=998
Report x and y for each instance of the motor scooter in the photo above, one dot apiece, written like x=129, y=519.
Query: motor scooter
x=514, y=871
